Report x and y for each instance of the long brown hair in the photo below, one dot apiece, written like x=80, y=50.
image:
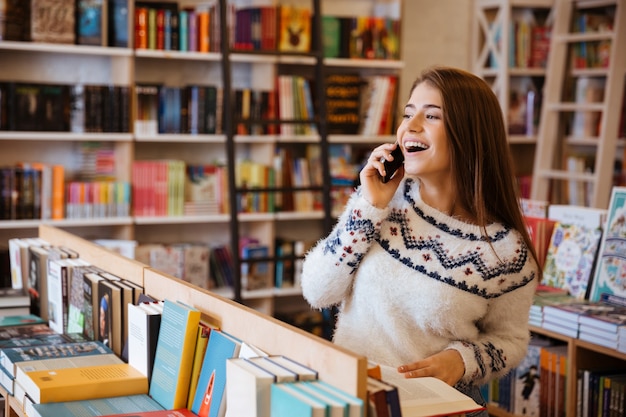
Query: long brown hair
x=480, y=153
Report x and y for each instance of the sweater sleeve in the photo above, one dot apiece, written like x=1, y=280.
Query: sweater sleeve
x=504, y=337
x=329, y=268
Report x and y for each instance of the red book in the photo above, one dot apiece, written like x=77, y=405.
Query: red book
x=160, y=29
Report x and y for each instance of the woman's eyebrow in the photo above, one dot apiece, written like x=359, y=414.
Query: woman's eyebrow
x=425, y=106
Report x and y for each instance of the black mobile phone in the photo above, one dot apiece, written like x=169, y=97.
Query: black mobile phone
x=392, y=166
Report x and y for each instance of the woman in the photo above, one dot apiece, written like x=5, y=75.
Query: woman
x=434, y=271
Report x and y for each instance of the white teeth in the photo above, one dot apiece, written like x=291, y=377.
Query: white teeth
x=415, y=144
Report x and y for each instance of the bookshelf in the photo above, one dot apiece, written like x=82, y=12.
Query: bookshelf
x=229, y=68
x=335, y=365
x=510, y=44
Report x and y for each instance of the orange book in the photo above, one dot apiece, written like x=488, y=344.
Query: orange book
x=204, y=31
x=58, y=192
x=89, y=382
x=141, y=28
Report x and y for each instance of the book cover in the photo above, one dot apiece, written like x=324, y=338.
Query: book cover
x=57, y=294
x=52, y=21
x=281, y=373
x=610, y=272
x=90, y=25
x=38, y=283
x=72, y=384
x=527, y=385
x=211, y=391
x=144, y=323
x=294, y=29
x=173, y=361
x=101, y=406
x=571, y=258
x=110, y=315
x=10, y=356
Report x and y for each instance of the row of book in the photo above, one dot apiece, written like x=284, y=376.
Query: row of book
x=83, y=22
x=76, y=108
x=166, y=27
x=529, y=40
x=361, y=37
x=538, y=386
x=361, y=104
x=40, y=191
x=191, y=109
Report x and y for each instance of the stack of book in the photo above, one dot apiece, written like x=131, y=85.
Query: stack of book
x=14, y=302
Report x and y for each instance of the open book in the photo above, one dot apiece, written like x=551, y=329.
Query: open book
x=428, y=396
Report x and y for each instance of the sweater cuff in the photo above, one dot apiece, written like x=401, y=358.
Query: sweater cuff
x=469, y=354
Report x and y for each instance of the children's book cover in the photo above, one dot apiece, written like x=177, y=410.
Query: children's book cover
x=570, y=259
x=610, y=276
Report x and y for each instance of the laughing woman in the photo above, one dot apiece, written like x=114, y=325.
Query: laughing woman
x=433, y=272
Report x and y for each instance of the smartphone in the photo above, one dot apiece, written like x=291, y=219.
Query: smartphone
x=392, y=166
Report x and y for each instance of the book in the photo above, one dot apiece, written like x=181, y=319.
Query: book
x=51, y=21
x=383, y=398
x=281, y=373
x=526, y=385
x=248, y=389
x=286, y=401
x=294, y=29
x=101, y=406
x=76, y=295
x=336, y=407
x=72, y=384
x=611, y=265
x=110, y=315
x=21, y=320
x=428, y=396
x=209, y=399
x=204, y=332
x=571, y=258
x=181, y=412
x=173, y=360
x=144, y=323
x=355, y=404
x=303, y=373
x=91, y=22
x=11, y=356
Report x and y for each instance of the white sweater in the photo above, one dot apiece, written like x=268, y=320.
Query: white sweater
x=411, y=281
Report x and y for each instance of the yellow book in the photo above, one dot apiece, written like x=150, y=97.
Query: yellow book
x=204, y=331
x=89, y=382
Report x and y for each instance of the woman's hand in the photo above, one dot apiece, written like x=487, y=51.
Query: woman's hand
x=373, y=189
x=446, y=365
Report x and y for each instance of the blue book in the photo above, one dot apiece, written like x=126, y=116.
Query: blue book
x=211, y=390
x=287, y=401
x=9, y=357
x=173, y=359
x=100, y=407
x=355, y=404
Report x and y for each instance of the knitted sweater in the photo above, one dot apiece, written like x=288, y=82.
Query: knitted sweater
x=411, y=281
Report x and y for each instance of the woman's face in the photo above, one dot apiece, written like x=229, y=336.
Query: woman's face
x=422, y=136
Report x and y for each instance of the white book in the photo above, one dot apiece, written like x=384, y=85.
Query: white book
x=248, y=389
x=304, y=373
x=589, y=217
x=282, y=374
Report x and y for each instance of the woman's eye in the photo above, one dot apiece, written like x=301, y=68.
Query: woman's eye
x=407, y=116
x=432, y=116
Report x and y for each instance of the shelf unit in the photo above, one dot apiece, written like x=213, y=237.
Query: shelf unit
x=580, y=355
x=502, y=32
x=578, y=137
x=229, y=68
